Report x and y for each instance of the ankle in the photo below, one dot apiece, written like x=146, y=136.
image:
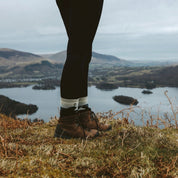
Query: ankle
x=67, y=111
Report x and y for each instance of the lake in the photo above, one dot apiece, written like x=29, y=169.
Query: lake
x=48, y=101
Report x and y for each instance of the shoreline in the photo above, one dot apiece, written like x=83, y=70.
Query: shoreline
x=6, y=85
x=100, y=100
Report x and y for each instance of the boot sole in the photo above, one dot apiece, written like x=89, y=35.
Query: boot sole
x=109, y=128
x=60, y=133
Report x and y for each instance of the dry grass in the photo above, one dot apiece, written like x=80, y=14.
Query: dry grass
x=28, y=149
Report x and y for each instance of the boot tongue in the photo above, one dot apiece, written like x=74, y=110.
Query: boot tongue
x=69, y=119
x=82, y=109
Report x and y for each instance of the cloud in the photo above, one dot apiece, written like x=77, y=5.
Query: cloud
x=119, y=16
x=139, y=16
x=36, y=25
x=20, y=15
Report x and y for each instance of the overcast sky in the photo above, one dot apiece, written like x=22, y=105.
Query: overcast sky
x=36, y=26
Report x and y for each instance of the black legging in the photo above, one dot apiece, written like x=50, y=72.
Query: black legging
x=81, y=18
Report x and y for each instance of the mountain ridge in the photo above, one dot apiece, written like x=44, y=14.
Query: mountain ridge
x=97, y=58
x=11, y=57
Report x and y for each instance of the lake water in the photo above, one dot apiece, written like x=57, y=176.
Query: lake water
x=48, y=101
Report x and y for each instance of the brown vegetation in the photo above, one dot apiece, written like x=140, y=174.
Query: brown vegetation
x=28, y=149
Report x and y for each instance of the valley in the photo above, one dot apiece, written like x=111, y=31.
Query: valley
x=19, y=69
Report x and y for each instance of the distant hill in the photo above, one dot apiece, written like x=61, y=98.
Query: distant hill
x=10, y=58
x=59, y=57
x=170, y=62
x=167, y=76
x=156, y=76
x=103, y=58
x=19, y=65
x=33, y=70
x=97, y=58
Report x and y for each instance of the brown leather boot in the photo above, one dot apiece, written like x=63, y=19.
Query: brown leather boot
x=70, y=127
x=89, y=120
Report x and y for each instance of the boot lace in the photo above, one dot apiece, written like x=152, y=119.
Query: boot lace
x=94, y=117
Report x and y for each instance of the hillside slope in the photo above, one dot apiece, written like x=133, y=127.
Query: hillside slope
x=19, y=64
x=28, y=149
x=10, y=58
x=33, y=70
x=166, y=76
x=136, y=76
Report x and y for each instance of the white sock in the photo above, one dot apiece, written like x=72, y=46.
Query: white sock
x=83, y=101
x=68, y=103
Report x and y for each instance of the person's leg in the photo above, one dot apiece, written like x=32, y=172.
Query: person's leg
x=81, y=19
x=78, y=19
x=94, y=13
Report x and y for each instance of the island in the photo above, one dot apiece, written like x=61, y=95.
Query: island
x=147, y=92
x=44, y=87
x=125, y=100
x=106, y=86
x=12, y=108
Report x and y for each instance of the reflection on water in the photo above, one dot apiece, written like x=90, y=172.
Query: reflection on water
x=48, y=101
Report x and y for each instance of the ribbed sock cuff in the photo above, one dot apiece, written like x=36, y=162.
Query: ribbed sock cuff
x=83, y=101
x=69, y=103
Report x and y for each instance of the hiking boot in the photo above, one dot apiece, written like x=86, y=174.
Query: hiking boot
x=89, y=120
x=70, y=127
